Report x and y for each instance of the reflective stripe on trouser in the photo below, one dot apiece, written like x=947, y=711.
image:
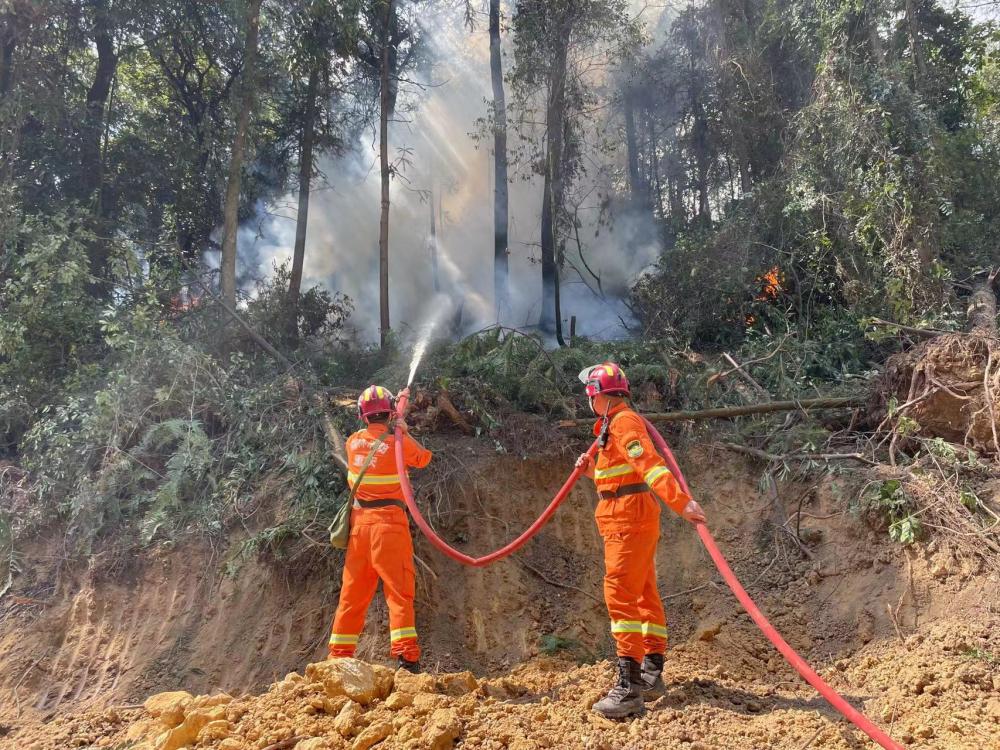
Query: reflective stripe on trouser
x=637, y=620
x=377, y=551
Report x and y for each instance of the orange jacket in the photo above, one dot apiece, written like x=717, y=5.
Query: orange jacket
x=627, y=471
x=381, y=482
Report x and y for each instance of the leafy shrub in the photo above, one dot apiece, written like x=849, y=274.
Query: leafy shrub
x=894, y=507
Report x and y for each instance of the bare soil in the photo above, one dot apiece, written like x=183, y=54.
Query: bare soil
x=908, y=635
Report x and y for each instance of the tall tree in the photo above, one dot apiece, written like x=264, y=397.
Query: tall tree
x=390, y=45
x=305, y=188
x=387, y=69
x=548, y=34
x=500, y=187
x=230, y=225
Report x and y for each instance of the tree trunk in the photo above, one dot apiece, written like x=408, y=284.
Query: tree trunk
x=915, y=45
x=8, y=43
x=552, y=199
x=230, y=220
x=385, y=110
x=302, y=218
x=88, y=184
x=433, y=243
x=500, y=199
x=637, y=185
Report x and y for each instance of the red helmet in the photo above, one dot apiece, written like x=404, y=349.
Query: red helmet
x=607, y=378
x=375, y=400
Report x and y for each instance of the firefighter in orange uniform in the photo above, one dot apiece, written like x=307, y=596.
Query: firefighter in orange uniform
x=380, y=546
x=630, y=476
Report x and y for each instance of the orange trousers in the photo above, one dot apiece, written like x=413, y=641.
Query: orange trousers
x=377, y=550
x=637, y=620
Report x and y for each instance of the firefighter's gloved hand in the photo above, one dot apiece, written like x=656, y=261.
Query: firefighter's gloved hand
x=585, y=461
x=692, y=512
x=403, y=427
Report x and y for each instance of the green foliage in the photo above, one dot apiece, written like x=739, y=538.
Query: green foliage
x=319, y=314
x=164, y=441
x=889, y=500
x=48, y=320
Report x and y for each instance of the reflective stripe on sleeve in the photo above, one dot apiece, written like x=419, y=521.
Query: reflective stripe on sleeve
x=655, y=473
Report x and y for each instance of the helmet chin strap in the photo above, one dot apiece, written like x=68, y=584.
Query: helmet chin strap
x=602, y=439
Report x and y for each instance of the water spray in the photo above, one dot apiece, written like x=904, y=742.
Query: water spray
x=424, y=340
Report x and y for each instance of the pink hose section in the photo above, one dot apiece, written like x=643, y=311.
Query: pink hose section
x=852, y=714
x=857, y=718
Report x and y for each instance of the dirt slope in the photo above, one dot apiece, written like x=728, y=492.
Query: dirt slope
x=73, y=647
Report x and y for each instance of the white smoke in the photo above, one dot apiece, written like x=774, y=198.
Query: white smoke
x=443, y=157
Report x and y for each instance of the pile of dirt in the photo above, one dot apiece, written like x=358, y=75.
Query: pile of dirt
x=938, y=690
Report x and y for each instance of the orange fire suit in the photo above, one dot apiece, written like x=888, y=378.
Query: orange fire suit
x=628, y=472
x=380, y=546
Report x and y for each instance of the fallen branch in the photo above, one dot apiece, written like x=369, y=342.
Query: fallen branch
x=925, y=332
x=782, y=457
x=844, y=402
x=251, y=331
x=739, y=370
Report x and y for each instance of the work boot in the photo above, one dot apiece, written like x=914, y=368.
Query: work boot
x=412, y=667
x=652, y=677
x=625, y=698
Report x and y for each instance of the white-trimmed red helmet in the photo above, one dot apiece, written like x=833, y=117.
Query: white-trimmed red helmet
x=375, y=400
x=607, y=378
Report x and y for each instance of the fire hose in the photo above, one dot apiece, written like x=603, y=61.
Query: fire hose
x=805, y=671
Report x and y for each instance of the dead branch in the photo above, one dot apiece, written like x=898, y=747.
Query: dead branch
x=780, y=458
x=928, y=333
x=739, y=370
x=448, y=409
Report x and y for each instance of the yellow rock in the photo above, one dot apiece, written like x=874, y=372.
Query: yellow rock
x=210, y=701
x=372, y=735
x=407, y=682
x=314, y=743
x=708, y=630
x=168, y=707
x=424, y=703
x=142, y=729
x=458, y=684
x=214, y=731
x=442, y=730
x=348, y=721
x=397, y=701
x=357, y=680
x=231, y=744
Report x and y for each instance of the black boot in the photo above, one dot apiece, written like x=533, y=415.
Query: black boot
x=410, y=666
x=652, y=677
x=625, y=698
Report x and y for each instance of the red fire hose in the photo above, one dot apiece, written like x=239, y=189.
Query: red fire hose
x=808, y=674
x=857, y=718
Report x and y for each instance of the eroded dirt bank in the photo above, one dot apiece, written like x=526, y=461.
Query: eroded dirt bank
x=907, y=635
